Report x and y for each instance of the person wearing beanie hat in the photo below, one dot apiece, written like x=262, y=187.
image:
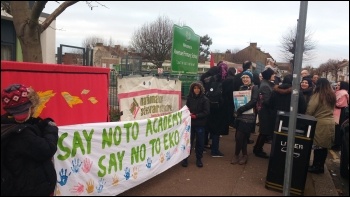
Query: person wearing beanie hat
x=245, y=120
x=249, y=74
x=19, y=101
x=30, y=144
x=266, y=113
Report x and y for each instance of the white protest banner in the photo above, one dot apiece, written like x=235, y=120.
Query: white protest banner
x=109, y=158
x=241, y=98
x=145, y=97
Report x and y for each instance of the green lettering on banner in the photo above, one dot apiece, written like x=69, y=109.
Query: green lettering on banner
x=77, y=143
x=149, y=130
x=138, y=154
x=63, y=148
x=169, y=121
x=155, y=144
x=134, y=131
x=113, y=136
x=115, y=161
x=171, y=139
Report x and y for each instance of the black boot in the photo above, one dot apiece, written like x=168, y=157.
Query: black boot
x=258, y=150
x=199, y=163
x=184, y=163
x=316, y=169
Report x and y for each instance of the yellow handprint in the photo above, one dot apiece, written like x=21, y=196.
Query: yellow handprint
x=90, y=186
x=57, y=191
x=115, y=180
x=161, y=159
x=135, y=171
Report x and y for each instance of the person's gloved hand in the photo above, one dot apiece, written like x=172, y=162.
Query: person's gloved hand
x=193, y=116
x=239, y=111
x=47, y=121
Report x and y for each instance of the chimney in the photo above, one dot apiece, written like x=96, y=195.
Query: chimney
x=99, y=44
x=254, y=44
x=117, y=47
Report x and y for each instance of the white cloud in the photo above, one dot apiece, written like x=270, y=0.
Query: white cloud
x=230, y=24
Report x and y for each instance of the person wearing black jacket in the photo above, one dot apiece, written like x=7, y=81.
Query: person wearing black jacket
x=245, y=123
x=30, y=147
x=266, y=113
x=199, y=107
x=227, y=94
x=281, y=96
x=237, y=82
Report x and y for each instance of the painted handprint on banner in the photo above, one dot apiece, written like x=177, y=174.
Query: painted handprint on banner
x=77, y=189
x=101, y=183
x=87, y=165
x=115, y=180
x=135, y=171
x=149, y=162
x=90, y=186
x=127, y=173
x=161, y=158
x=64, y=177
x=76, y=164
x=168, y=156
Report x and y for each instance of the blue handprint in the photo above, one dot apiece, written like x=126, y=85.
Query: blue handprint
x=183, y=147
x=127, y=173
x=76, y=165
x=64, y=177
x=149, y=162
x=168, y=156
x=101, y=183
x=188, y=128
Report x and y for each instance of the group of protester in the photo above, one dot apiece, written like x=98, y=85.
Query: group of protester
x=32, y=141
x=269, y=94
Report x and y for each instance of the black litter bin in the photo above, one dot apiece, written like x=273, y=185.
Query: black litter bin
x=304, y=134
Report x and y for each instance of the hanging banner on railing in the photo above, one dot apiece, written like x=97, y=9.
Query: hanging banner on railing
x=109, y=158
x=145, y=97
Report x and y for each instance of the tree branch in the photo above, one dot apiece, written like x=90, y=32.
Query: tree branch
x=56, y=13
x=38, y=7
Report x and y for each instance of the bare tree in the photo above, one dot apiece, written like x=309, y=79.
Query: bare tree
x=92, y=41
x=26, y=22
x=288, y=45
x=154, y=40
x=331, y=66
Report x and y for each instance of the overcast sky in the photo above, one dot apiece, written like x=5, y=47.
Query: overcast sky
x=231, y=25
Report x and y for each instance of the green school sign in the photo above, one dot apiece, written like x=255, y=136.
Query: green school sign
x=185, y=50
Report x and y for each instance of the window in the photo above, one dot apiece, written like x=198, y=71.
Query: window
x=6, y=52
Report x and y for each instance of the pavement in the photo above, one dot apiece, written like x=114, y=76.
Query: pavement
x=219, y=177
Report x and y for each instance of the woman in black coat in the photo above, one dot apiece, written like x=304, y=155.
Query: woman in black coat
x=267, y=114
x=227, y=93
x=281, y=96
x=217, y=124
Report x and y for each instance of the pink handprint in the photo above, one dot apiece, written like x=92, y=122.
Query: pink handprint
x=78, y=189
x=87, y=165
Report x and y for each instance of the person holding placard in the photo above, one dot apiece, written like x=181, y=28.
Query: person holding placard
x=245, y=101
